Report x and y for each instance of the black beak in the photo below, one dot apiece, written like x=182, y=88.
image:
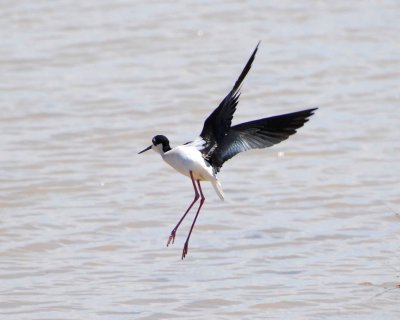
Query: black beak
x=148, y=148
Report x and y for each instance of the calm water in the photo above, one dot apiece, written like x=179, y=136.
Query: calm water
x=310, y=228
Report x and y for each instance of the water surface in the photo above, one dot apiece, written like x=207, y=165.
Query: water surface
x=309, y=229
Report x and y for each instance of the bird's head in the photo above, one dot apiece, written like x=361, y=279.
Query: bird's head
x=160, y=144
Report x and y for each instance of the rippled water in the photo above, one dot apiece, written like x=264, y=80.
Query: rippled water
x=309, y=229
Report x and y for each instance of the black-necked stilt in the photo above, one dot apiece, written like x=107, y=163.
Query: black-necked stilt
x=202, y=158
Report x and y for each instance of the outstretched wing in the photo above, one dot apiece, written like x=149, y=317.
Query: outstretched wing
x=219, y=121
x=258, y=134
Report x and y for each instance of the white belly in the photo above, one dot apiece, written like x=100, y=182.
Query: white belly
x=187, y=158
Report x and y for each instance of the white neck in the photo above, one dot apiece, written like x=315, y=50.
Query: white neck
x=158, y=148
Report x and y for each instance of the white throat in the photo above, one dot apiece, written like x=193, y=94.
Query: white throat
x=158, y=148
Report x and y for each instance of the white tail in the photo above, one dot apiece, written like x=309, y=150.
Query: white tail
x=218, y=189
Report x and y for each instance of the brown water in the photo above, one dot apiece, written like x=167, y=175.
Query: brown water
x=310, y=228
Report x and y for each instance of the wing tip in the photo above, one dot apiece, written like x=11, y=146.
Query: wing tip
x=245, y=70
x=304, y=113
x=312, y=110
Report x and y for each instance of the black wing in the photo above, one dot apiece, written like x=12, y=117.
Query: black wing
x=219, y=121
x=258, y=134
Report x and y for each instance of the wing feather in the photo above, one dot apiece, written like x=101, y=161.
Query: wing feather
x=258, y=134
x=219, y=121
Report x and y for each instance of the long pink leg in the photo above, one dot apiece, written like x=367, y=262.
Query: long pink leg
x=186, y=246
x=196, y=197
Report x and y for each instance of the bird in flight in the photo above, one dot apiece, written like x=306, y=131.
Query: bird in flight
x=219, y=141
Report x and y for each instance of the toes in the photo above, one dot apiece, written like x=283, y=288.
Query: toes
x=171, y=238
x=185, y=251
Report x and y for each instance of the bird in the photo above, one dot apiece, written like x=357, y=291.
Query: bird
x=219, y=141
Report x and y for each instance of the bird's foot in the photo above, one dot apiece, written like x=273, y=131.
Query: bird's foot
x=185, y=250
x=171, y=238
